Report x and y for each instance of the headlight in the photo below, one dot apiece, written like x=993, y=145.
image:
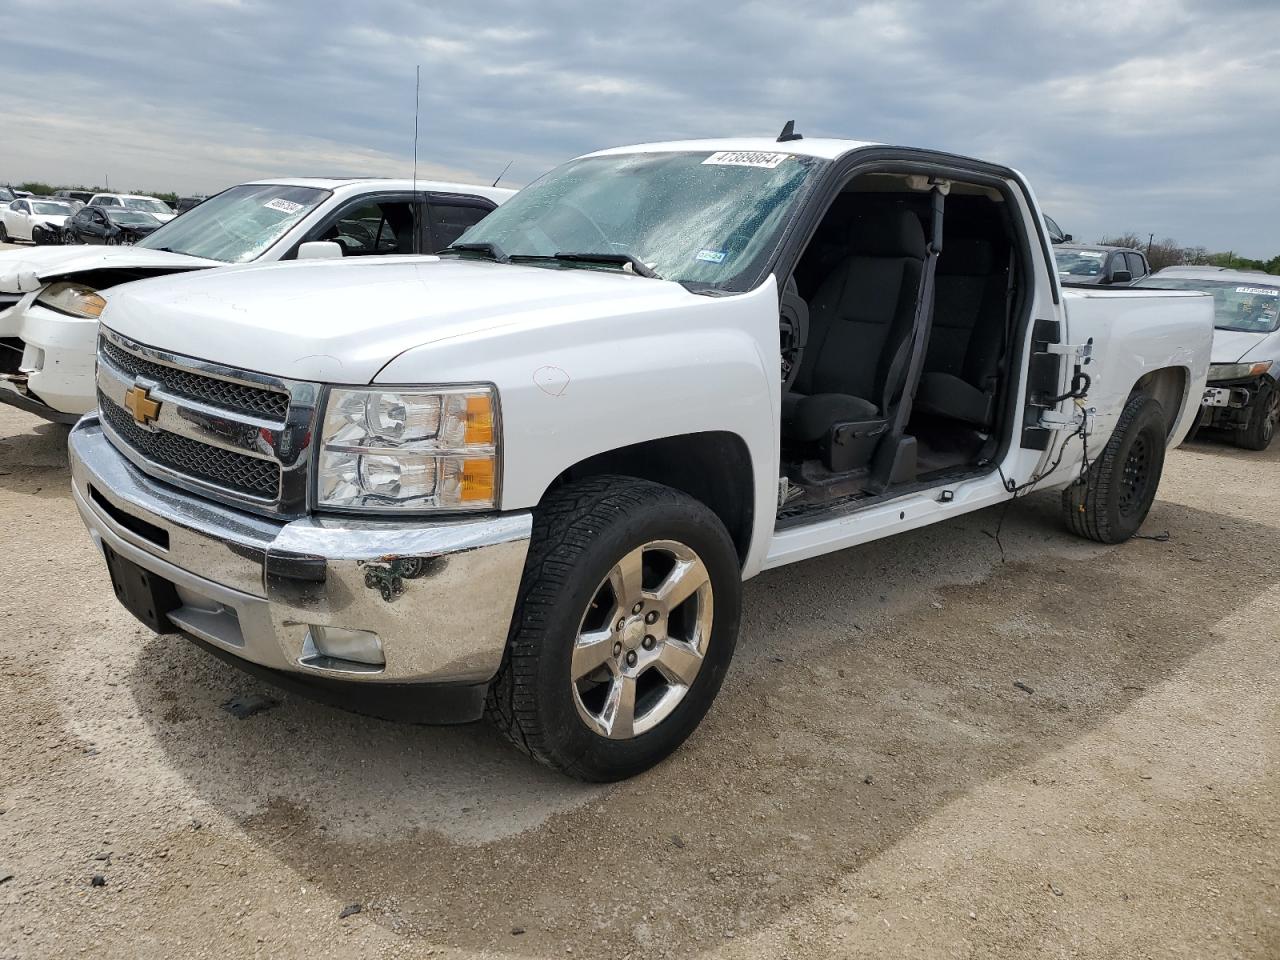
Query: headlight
x=1237, y=371
x=73, y=298
x=386, y=450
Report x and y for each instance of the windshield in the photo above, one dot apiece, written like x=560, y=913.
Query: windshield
x=147, y=205
x=1079, y=263
x=133, y=218
x=238, y=225
x=51, y=208
x=710, y=220
x=1246, y=307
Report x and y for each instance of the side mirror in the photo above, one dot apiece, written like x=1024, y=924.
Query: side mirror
x=320, y=250
x=1067, y=238
x=1121, y=276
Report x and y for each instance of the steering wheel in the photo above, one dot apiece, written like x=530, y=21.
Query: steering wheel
x=793, y=332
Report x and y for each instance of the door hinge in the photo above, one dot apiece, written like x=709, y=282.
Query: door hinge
x=1052, y=420
x=1080, y=352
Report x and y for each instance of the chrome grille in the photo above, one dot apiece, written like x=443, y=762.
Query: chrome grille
x=222, y=468
x=195, y=386
x=233, y=435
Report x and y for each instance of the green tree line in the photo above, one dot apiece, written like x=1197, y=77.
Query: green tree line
x=1169, y=253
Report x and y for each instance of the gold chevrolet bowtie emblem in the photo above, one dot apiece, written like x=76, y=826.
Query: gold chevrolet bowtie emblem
x=137, y=400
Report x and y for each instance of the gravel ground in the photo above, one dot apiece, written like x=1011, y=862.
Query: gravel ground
x=921, y=751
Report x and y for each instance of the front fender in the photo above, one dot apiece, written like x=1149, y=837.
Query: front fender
x=574, y=389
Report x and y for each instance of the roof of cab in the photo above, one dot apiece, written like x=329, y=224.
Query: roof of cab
x=497, y=194
x=824, y=149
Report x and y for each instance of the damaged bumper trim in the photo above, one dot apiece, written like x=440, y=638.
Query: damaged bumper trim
x=13, y=391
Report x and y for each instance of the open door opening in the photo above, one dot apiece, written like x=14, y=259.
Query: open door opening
x=898, y=324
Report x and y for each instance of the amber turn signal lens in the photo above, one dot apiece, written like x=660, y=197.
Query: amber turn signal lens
x=477, y=481
x=479, y=419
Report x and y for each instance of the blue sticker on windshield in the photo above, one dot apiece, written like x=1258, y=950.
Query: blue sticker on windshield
x=712, y=256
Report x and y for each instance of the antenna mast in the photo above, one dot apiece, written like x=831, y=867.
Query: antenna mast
x=417, y=83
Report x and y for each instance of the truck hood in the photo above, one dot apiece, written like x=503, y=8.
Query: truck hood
x=22, y=271
x=1231, y=346
x=343, y=321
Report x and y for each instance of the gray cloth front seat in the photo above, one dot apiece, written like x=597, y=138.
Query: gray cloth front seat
x=860, y=322
x=962, y=371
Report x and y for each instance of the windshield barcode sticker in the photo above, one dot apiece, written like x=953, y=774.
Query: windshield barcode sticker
x=1260, y=291
x=284, y=206
x=746, y=158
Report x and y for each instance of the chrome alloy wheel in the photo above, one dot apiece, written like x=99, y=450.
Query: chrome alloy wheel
x=642, y=640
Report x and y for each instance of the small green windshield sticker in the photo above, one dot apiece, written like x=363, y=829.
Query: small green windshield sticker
x=712, y=256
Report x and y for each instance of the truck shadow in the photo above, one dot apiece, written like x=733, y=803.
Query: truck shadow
x=872, y=687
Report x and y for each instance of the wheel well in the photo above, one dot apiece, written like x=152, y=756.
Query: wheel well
x=713, y=467
x=1168, y=385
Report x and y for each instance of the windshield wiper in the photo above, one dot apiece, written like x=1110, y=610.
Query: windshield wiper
x=637, y=265
x=491, y=249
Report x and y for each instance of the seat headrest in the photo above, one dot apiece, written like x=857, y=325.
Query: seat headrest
x=966, y=257
x=887, y=233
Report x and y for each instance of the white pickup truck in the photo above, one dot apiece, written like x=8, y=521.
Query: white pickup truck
x=51, y=297
x=528, y=477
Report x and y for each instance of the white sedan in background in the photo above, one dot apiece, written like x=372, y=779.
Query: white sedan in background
x=50, y=297
x=20, y=217
x=132, y=201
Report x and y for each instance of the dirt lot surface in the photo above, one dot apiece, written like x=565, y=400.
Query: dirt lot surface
x=920, y=751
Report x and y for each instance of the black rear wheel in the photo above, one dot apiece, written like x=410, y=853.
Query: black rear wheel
x=1111, y=501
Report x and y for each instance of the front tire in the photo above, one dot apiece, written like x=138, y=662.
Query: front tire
x=623, y=631
x=1263, y=419
x=1113, y=499
x=4, y=234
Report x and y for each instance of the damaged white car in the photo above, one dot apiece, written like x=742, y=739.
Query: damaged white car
x=1243, y=397
x=51, y=297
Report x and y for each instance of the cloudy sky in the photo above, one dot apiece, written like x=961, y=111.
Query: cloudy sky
x=1156, y=116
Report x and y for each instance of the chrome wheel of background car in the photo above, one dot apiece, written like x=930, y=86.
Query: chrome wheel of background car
x=1271, y=416
x=642, y=640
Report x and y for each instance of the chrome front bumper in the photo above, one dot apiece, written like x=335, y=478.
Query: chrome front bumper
x=438, y=595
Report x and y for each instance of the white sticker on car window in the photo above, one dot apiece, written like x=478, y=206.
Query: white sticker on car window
x=712, y=256
x=746, y=158
x=284, y=206
x=1090, y=254
x=1260, y=291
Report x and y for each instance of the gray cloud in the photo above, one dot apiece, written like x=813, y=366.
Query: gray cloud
x=1156, y=117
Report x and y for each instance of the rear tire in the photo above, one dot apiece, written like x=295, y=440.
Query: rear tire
x=661, y=663
x=1263, y=419
x=1113, y=499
